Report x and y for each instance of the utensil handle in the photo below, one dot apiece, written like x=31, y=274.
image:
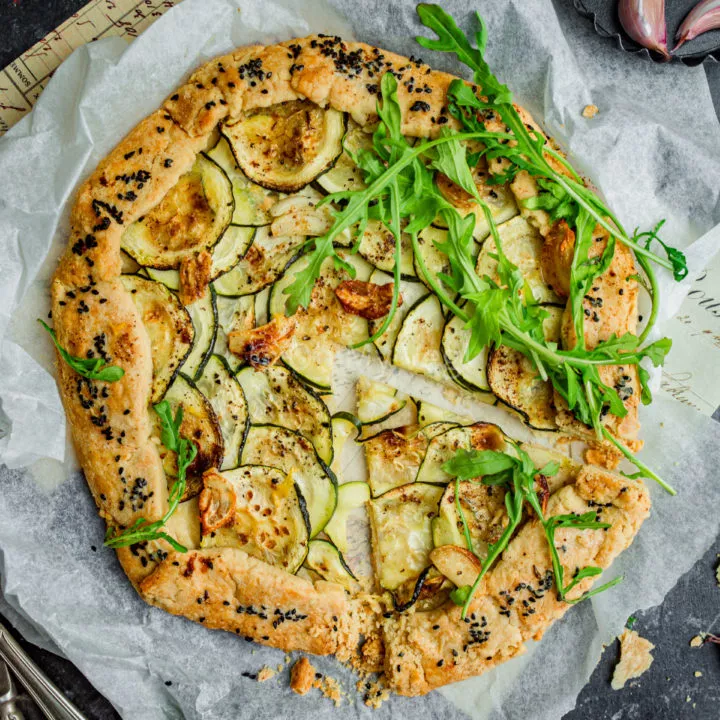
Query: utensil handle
x=41, y=689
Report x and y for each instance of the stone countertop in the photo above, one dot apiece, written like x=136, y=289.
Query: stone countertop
x=668, y=691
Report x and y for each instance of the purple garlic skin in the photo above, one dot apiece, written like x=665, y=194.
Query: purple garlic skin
x=703, y=17
x=644, y=22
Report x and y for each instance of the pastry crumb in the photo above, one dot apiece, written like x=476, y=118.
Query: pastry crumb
x=697, y=641
x=698, y=673
x=280, y=667
x=302, y=676
x=635, y=658
x=330, y=688
x=265, y=673
x=375, y=692
x=590, y=111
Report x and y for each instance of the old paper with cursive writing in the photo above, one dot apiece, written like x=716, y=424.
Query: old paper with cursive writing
x=692, y=369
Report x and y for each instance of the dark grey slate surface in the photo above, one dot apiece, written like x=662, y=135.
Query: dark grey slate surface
x=668, y=691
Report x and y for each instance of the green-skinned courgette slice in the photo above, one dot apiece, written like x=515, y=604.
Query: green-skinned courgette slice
x=168, y=326
x=470, y=374
x=417, y=345
x=277, y=397
x=234, y=315
x=344, y=174
x=191, y=217
x=222, y=389
x=286, y=146
x=203, y=313
x=252, y=201
x=200, y=425
x=393, y=458
x=377, y=401
x=351, y=496
x=259, y=510
x=327, y=561
x=401, y=526
x=296, y=456
x=263, y=263
x=324, y=326
x=377, y=246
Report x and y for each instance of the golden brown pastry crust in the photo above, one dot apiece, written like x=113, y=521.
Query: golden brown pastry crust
x=110, y=423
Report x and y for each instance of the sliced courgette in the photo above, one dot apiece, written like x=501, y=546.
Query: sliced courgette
x=436, y=261
x=263, y=263
x=200, y=425
x=443, y=447
x=293, y=454
x=377, y=401
x=429, y=413
x=301, y=214
x=277, y=397
x=400, y=522
x=483, y=507
x=203, y=313
x=522, y=244
x=327, y=561
x=470, y=374
x=286, y=146
x=192, y=216
x=351, y=496
x=324, y=326
x=377, y=246
x=252, y=201
x=393, y=458
x=222, y=389
x=234, y=315
x=344, y=174
x=417, y=346
x=410, y=292
x=259, y=510
x=169, y=278
x=344, y=426
x=168, y=326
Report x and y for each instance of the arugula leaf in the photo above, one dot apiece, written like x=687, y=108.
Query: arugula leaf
x=90, y=368
x=142, y=530
x=468, y=464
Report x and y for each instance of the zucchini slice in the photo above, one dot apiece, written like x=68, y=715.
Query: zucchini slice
x=499, y=199
x=417, y=346
x=479, y=436
x=259, y=510
x=203, y=313
x=286, y=146
x=200, y=425
x=192, y=216
x=351, y=496
x=429, y=413
x=400, y=522
x=252, y=201
x=299, y=214
x=377, y=401
x=377, y=246
x=437, y=428
x=168, y=326
x=184, y=524
x=293, y=454
x=515, y=381
x=484, y=509
x=393, y=458
x=541, y=456
x=471, y=375
x=169, y=278
x=522, y=244
x=221, y=388
x=327, y=561
x=436, y=261
x=344, y=426
x=234, y=314
x=410, y=292
x=264, y=262
x=324, y=325
x=277, y=397
x=345, y=175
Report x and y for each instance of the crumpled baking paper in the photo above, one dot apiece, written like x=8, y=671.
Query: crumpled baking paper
x=652, y=150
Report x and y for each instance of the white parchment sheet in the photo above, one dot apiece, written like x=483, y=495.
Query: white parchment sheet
x=654, y=152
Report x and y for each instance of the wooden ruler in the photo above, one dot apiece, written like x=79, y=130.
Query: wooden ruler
x=22, y=81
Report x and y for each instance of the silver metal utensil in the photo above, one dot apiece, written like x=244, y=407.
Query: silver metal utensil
x=41, y=689
x=8, y=694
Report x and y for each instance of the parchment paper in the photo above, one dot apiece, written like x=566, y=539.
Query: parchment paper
x=653, y=151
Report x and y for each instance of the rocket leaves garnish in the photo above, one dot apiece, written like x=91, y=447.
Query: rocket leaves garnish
x=401, y=192
x=142, y=530
x=517, y=474
x=91, y=368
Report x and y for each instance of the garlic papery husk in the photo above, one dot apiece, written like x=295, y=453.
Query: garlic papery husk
x=644, y=22
x=703, y=17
